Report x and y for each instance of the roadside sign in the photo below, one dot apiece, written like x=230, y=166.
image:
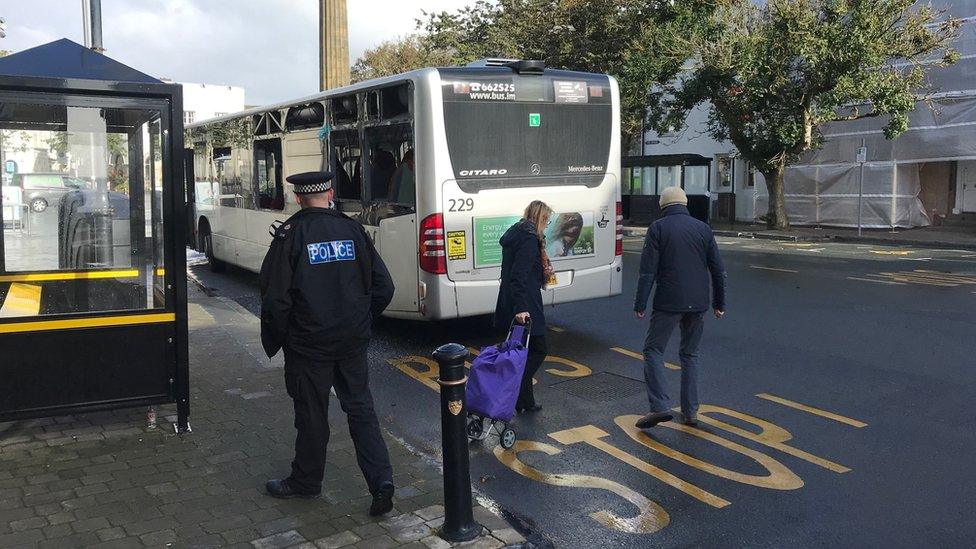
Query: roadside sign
x=10, y=166
x=862, y=155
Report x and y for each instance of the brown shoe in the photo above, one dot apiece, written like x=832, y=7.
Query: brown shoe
x=653, y=418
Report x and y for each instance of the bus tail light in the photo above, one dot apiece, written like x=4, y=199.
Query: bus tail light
x=432, y=254
x=620, y=230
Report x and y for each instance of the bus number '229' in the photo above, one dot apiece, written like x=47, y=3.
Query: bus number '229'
x=461, y=205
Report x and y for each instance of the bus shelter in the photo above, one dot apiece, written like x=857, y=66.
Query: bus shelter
x=92, y=258
x=646, y=177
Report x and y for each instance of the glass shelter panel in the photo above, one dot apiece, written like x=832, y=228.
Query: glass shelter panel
x=82, y=210
x=668, y=176
x=696, y=180
x=649, y=184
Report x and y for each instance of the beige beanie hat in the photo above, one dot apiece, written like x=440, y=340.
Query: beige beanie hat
x=673, y=195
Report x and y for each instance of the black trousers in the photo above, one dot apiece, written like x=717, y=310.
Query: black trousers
x=309, y=383
x=538, y=349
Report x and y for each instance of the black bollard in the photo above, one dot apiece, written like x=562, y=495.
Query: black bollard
x=459, y=524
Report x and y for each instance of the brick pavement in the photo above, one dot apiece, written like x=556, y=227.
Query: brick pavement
x=106, y=480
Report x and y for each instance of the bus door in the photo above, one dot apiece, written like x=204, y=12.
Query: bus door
x=390, y=209
x=269, y=203
x=227, y=225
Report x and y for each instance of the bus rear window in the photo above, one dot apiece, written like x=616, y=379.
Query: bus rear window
x=500, y=142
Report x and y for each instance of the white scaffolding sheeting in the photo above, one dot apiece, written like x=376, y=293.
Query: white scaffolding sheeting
x=822, y=188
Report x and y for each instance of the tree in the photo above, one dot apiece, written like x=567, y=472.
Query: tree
x=397, y=56
x=584, y=35
x=773, y=74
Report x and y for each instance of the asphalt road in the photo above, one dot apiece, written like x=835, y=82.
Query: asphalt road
x=837, y=407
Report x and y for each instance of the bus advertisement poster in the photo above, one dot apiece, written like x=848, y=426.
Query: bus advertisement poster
x=570, y=234
x=487, y=232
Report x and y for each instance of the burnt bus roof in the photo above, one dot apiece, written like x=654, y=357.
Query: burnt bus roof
x=506, y=71
x=491, y=71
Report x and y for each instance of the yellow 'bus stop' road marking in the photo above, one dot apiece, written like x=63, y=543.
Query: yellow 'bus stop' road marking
x=594, y=436
x=651, y=517
x=639, y=356
x=22, y=300
x=812, y=410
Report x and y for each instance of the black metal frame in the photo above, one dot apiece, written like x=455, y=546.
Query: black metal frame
x=168, y=99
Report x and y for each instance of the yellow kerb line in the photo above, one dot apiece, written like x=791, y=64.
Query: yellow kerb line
x=639, y=356
x=812, y=410
x=91, y=322
x=80, y=275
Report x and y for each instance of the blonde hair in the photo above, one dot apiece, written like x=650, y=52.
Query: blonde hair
x=538, y=212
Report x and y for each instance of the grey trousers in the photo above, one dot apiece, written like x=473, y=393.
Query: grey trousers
x=661, y=326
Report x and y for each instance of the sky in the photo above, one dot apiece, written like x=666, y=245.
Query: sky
x=269, y=47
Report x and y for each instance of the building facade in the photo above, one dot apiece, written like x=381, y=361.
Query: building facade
x=203, y=101
x=925, y=176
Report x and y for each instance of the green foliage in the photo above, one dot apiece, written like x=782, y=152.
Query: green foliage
x=585, y=35
x=399, y=56
x=229, y=133
x=773, y=74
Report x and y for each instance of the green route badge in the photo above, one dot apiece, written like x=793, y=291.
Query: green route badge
x=535, y=120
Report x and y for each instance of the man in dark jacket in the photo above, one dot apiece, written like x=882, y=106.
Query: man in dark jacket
x=681, y=256
x=322, y=283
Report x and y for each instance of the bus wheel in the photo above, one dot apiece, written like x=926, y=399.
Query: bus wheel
x=206, y=239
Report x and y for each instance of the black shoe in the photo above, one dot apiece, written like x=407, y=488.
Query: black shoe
x=382, y=500
x=689, y=420
x=284, y=490
x=533, y=408
x=653, y=418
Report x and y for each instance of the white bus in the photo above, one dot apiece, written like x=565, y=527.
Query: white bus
x=436, y=164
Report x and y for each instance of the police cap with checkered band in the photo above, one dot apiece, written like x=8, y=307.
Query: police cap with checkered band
x=311, y=182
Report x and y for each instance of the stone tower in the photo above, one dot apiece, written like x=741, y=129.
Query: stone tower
x=333, y=44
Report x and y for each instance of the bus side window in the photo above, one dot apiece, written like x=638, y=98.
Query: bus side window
x=267, y=174
x=222, y=169
x=347, y=165
x=391, y=168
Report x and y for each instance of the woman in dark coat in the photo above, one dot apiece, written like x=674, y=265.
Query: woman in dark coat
x=525, y=270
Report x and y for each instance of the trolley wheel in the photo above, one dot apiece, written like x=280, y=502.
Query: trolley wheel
x=508, y=439
x=475, y=426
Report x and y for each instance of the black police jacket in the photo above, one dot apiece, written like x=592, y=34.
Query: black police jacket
x=322, y=283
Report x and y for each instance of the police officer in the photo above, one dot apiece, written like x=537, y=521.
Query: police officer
x=322, y=283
